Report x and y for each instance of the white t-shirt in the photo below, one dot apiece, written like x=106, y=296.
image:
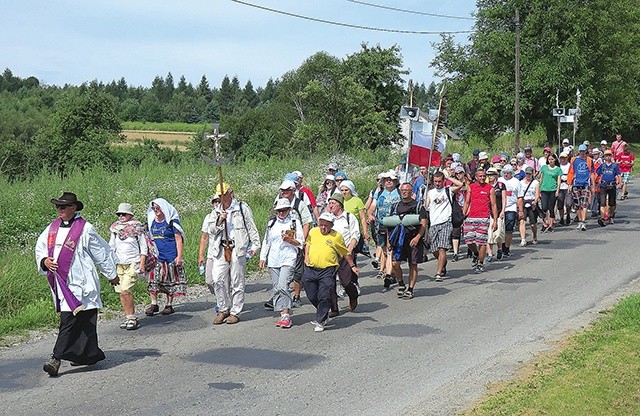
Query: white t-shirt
x=563, y=178
x=513, y=187
x=529, y=189
x=439, y=206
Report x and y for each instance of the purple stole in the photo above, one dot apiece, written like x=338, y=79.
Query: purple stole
x=59, y=277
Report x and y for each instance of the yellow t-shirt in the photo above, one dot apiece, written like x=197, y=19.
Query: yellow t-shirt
x=325, y=250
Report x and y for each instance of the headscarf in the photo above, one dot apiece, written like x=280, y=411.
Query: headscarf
x=170, y=214
x=349, y=185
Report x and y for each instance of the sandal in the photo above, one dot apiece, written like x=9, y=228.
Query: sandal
x=132, y=324
x=401, y=291
x=151, y=310
x=123, y=325
x=168, y=310
x=408, y=294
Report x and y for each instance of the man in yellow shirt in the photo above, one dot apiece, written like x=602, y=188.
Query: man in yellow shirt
x=323, y=250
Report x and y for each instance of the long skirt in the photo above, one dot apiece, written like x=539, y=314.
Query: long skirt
x=167, y=278
x=78, y=338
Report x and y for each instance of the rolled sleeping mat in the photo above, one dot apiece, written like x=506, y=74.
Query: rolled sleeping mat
x=409, y=220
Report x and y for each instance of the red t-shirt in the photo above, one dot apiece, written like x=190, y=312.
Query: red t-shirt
x=625, y=159
x=480, y=200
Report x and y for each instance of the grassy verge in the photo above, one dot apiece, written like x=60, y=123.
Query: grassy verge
x=25, y=299
x=596, y=373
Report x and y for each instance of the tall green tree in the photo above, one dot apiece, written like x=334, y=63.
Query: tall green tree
x=565, y=46
x=82, y=128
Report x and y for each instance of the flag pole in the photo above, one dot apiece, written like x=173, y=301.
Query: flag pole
x=436, y=131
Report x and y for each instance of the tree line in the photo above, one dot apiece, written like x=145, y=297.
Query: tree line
x=326, y=105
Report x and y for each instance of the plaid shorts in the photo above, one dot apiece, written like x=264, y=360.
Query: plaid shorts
x=625, y=177
x=440, y=236
x=476, y=231
x=582, y=196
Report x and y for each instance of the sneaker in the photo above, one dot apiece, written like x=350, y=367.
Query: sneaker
x=551, y=229
x=579, y=227
x=455, y=257
x=123, y=325
x=317, y=326
x=401, y=290
x=375, y=263
x=52, y=366
x=333, y=314
x=269, y=304
x=561, y=223
x=499, y=255
x=523, y=243
x=479, y=269
x=340, y=291
x=220, y=318
x=151, y=310
x=544, y=229
x=583, y=226
x=284, y=322
x=132, y=324
x=506, y=254
x=534, y=241
x=601, y=222
x=380, y=275
x=296, y=302
x=474, y=262
x=489, y=259
x=233, y=319
x=388, y=280
x=439, y=278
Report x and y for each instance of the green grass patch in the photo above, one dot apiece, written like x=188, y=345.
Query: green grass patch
x=25, y=300
x=184, y=127
x=596, y=373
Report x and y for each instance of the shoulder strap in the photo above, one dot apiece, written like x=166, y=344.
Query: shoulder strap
x=244, y=221
x=525, y=191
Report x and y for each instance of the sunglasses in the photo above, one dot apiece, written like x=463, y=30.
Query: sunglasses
x=282, y=210
x=63, y=206
x=503, y=160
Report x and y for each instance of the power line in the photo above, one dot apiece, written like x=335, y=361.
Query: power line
x=412, y=32
x=395, y=9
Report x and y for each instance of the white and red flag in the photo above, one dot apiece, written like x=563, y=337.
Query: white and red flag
x=423, y=148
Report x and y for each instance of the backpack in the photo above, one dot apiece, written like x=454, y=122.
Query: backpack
x=457, y=217
x=152, y=253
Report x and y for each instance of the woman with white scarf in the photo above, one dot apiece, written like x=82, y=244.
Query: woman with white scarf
x=168, y=277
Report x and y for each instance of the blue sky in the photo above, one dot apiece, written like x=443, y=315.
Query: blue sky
x=73, y=41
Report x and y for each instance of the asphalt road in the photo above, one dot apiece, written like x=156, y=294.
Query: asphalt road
x=431, y=355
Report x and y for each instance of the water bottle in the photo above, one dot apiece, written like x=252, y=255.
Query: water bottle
x=202, y=268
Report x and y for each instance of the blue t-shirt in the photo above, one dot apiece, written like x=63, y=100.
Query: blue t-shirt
x=582, y=172
x=608, y=173
x=164, y=237
x=520, y=175
x=385, y=202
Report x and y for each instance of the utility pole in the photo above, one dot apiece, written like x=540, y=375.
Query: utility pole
x=516, y=124
x=559, y=122
x=576, y=115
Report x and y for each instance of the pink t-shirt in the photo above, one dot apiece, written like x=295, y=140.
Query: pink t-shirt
x=617, y=148
x=480, y=200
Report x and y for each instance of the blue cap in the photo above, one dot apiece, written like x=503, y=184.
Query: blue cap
x=291, y=177
x=582, y=147
x=341, y=174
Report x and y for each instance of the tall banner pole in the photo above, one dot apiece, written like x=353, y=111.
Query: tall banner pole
x=442, y=105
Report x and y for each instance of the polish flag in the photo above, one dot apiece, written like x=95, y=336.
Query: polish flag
x=421, y=149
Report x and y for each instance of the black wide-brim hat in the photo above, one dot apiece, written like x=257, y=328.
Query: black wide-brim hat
x=68, y=198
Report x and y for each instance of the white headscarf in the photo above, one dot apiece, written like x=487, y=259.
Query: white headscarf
x=170, y=214
x=349, y=185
